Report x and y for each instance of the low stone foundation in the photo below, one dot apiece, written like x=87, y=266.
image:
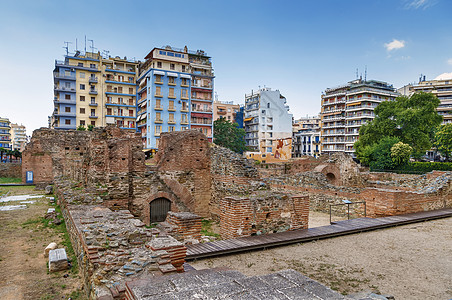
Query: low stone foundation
x=263, y=213
x=186, y=226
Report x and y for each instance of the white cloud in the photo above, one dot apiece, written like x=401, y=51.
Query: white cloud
x=394, y=45
x=449, y=61
x=419, y=4
x=444, y=76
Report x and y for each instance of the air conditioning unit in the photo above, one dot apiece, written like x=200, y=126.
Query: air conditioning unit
x=73, y=70
x=180, y=102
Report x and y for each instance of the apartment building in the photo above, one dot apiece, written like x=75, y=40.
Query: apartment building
x=441, y=88
x=175, y=89
x=90, y=89
x=346, y=108
x=306, y=137
x=268, y=125
x=225, y=109
x=5, y=133
x=18, y=137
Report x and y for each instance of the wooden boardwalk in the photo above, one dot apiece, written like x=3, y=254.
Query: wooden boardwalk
x=305, y=235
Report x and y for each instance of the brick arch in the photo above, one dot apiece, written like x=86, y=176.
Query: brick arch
x=332, y=173
x=147, y=209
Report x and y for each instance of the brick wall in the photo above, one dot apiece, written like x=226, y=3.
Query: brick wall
x=12, y=170
x=186, y=226
x=262, y=214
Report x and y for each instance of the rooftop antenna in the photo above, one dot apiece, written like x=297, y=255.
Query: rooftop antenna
x=67, y=47
x=105, y=53
x=365, y=73
x=92, y=45
x=85, y=43
x=356, y=73
x=76, y=46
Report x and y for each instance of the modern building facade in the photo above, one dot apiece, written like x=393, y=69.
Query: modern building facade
x=268, y=125
x=306, y=137
x=175, y=92
x=5, y=134
x=18, y=137
x=225, y=109
x=442, y=89
x=346, y=108
x=90, y=89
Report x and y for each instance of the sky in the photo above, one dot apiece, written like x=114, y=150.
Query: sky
x=298, y=47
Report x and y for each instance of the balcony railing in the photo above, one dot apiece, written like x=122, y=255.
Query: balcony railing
x=63, y=76
x=93, y=92
x=93, y=80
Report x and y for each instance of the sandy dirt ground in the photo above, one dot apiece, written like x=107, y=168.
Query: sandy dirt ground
x=23, y=267
x=409, y=262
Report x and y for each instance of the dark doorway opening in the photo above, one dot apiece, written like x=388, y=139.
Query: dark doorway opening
x=159, y=208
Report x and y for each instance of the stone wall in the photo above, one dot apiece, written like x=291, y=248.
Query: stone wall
x=11, y=170
x=263, y=213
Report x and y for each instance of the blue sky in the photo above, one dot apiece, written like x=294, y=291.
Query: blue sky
x=298, y=47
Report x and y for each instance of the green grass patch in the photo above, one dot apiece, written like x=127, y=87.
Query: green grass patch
x=10, y=180
x=206, y=228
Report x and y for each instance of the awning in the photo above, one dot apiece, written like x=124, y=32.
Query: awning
x=172, y=74
x=248, y=119
x=141, y=117
x=185, y=76
x=198, y=115
x=352, y=104
x=159, y=73
x=334, y=113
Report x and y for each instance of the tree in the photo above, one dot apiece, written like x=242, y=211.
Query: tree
x=411, y=119
x=443, y=140
x=81, y=128
x=378, y=155
x=17, y=154
x=400, y=153
x=228, y=135
x=90, y=127
x=2, y=150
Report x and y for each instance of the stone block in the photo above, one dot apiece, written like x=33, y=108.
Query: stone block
x=58, y=260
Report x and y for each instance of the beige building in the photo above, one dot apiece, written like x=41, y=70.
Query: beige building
x=441, y=88
x=18, y=137
x=346, y=108
x=225, y=109
x=90, y=89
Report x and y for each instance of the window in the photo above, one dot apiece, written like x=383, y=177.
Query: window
x=184, y=81
x=158, y=78
x=130, y=101
x=67, y=109
x=93, y=99
x=158, y=129
x=158, y=103
x=67, y=97
x=158, y=91
x=80, y=64
x=171, y=117
x=108, y=99
x=120, y=89
x=82, y=110
x=268, y=105
x=67, y=121
x=130, y=79
x=67, y=85
x=120, y=100
x=93, y=112
x=172, y=66
x=93, y=123
x=82, y=75
x=82, y=86
x=109, y=111
x=82, y=122
x=171, y=104
x=130, y=113
x=92, y=66
x=159, y=64
x=183, y=68
x=158, y=116
x=171, y=80
x=171, y=93
x=119, y=111
x=184, y=94
x=171, y=128
x=130, y=90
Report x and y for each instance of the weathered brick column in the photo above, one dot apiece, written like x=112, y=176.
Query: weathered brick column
x=300, y=214
x=235, y=217
x=186, y=226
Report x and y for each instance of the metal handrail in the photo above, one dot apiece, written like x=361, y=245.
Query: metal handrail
x=347, y=202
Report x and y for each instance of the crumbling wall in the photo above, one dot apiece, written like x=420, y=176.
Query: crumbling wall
x=12, y=170
x=263, y=213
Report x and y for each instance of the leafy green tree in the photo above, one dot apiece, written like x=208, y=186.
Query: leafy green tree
x=81, y=128
x=443, y=140
x=411, y=119
x=17, y=154
x=400, y=153
x=380, y=157
x=2, y=150
x=228, y=135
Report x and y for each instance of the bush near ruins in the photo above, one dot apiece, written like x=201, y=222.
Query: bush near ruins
x=228, y=135
x=443, y=140
x=411, y=120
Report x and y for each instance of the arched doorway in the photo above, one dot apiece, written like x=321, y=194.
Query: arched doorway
x=331, y=178
x=159, y=208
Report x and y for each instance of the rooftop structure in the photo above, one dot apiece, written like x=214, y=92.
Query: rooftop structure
x=19, y=137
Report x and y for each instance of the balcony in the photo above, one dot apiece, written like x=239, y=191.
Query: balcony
x=93, y=92
x=202, y=86
x=93, y=80
x=64, y=101
x=193, y=98
x=117, y=70
x=171, y=96
x=171, y=108
x=184, y=122
x=65, y=114
x=184, y=97
x=184, y=109
x=171, y=122
x=158, y=107
x=64, y=89
x=93, y=104
x=65, y=64
x=57, y=75
x=158, y=95
x=158, y=121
